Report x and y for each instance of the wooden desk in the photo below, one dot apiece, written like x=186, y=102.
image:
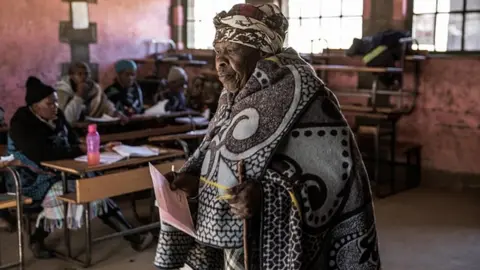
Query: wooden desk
x=10, y=201
x=174, y=137
x=140, y=118
x=116, y=184
x=142, y=134
x=81, y=168
x=3, y=129
x=358, y=68
x=172, y=62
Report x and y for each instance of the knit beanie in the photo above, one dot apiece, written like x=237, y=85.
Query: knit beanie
x=37, y=90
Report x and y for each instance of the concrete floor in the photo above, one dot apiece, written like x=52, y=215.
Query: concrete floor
x=418, y=230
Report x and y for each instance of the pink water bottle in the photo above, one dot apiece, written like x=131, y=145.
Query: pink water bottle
x=93, y=145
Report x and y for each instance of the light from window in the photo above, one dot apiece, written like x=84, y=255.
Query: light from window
x=200, y=14
x=330, y=23
x=447, y=25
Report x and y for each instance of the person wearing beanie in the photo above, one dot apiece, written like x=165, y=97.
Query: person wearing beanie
x=125, y=93
x=79, y=96
x=40, y=132
x=177, y=83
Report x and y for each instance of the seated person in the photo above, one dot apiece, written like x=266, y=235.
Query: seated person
x=175, y=93
x=125, y=93
x=80, y=96
x=39, y=132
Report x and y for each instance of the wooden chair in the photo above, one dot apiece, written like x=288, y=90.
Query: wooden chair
x=16, y=201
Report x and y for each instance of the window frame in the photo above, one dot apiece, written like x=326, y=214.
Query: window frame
x=463, y=12
x=284, y=9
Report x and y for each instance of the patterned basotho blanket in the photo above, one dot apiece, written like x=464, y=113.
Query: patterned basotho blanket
x=317, y=211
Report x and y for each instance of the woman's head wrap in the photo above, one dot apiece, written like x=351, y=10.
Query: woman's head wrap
x=124, y=65
x=263, y=27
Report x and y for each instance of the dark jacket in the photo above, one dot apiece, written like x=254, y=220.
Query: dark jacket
x=40, y=142
x=128, y=101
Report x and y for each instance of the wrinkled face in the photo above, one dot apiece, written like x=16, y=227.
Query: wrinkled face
x=127, y=77
x=80, y=75
x=178, y=85
x=47, y=108
x=235, y=64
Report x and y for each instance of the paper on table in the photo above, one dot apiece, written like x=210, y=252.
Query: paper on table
x=137, y=151
x=105, y=158
x=197, y=120
x=105, y=118
x=198, y=132
x=157, y=109
x=172, y=205
x=7, y=158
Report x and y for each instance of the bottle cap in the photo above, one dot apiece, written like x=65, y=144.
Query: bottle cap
x=92, y=128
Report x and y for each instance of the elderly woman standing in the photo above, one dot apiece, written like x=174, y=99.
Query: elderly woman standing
x=125, y=93
x=305, y=196
x=79, y=96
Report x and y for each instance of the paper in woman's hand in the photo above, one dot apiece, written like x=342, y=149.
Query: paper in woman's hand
x=172, y=205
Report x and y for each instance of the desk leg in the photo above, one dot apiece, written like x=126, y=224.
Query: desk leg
x=88, y=236
x=393, y=155
x=66, y=231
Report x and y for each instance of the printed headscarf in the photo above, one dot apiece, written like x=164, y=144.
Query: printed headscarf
x=263, y=27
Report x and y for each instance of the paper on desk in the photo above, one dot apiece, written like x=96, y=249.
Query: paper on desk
x=104, y=119
x=7, y=158
x=157, y=109
x=137, y=151
x=172, y=205
x=105, y=158
x=197, y=120
x=198, y=132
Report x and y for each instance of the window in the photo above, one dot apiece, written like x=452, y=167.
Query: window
x=336, y=22
x=200, y=13
x=447, y=25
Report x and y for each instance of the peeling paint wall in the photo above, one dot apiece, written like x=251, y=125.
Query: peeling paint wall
x=30, y=39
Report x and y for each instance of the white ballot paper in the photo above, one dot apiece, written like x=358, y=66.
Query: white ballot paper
x=172, y=205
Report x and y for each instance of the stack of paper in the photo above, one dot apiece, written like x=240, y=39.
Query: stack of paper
x=172, y=205
x=157, y=109
x=105, y=158
x=105, y=118
x=197, y=120
x=136, y=151
x=198, y=132
x=7, y=158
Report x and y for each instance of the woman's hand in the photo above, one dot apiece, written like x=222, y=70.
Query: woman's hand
x=183, y=181
x=123, y=118
x=245, y=199
x=109, y=146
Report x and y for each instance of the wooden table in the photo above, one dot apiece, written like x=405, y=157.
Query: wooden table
x=180, y=136
x=358, y=68
x=10, y=201
x=3, y=129
x=78, y=168
x=139, y=118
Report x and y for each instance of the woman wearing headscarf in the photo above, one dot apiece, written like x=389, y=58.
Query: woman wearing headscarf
x=79, y=96
x=177, y=82
x=125, y=93
x=40, y=132
x=305, y=194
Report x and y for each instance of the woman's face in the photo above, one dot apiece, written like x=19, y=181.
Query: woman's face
x=80, y=75
x=127, y=77
x=47, y=108
x=235, y=64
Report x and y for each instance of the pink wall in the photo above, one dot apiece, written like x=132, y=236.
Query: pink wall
x=446, y=121
x=30, y=43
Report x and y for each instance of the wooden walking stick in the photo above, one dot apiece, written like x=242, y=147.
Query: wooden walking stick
x=241, y=173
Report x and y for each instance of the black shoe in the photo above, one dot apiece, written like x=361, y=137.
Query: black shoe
x=144, y=243
x=40, y=251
